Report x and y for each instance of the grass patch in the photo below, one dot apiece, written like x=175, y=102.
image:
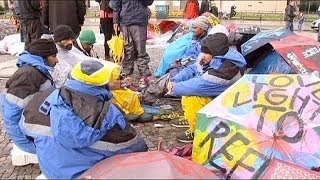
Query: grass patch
x=269, y=17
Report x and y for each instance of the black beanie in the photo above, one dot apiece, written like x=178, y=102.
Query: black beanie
x=42, y=47
x=62, y=32
x=215, y=44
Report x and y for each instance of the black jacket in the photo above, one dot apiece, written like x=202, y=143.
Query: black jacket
x=205, y=7
x=68, y=12
x=27, y=80
x=29, y=9
x=290, y=13
x=131, y=12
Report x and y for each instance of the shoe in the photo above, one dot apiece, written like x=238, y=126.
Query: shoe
x=145, y=117
x=131, y=117
x=186, y=137
x=170, y=116
x=180, y=123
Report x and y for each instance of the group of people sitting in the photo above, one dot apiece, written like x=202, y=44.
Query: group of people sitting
x=66, y=108
x=207, y=66
x=60, y=106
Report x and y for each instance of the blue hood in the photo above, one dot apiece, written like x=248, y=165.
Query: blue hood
x=232, y=55
x=100, y=92
x=25, y=58
x=69, y=129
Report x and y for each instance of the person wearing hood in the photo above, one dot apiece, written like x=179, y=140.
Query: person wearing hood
x=32, y=76
x=85, y=41
x=200, y=29
x=77, y=126
x=64, y=38
x=187, y=47
x=126, y=100
x=219, y=68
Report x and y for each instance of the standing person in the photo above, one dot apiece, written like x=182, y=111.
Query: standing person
x=132, y=15
x=214, y=10
x=289, y=15
x=192, y=9
x=70, y=13
x=301, y=20
x=205, y=7
x=233, y=11
x=106, y=24
x=30, y=12
x=32, y=76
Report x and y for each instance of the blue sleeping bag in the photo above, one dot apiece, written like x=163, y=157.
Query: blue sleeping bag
x=174, y=51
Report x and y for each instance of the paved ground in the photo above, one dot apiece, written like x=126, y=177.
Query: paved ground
x=152, y=135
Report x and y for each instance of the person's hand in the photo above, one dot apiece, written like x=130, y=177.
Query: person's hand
x=116, y=27
x=114, y=85
x=170, y=86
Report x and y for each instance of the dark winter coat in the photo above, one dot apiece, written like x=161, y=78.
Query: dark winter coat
x=29, y=9
x=205, y=7
x=31, y=77
x=70, y=13
x=290, y=13
x=131, y=12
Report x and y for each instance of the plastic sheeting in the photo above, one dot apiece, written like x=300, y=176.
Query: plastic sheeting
x=12, y=45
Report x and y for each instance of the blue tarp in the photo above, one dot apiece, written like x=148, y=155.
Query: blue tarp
x=273, y=63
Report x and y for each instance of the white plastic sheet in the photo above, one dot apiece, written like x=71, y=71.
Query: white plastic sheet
x=12, y=45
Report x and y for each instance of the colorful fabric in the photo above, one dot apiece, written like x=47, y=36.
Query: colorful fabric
x=259, y=118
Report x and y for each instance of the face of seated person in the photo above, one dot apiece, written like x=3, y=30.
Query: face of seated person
x=198, y=32
x=52, y=60
x=206, y=59
x=87, y=47
x=66, y=43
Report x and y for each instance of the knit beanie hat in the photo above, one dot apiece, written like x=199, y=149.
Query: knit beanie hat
x=201, y=22
x=42, y=47
x=62, y=32
x=92, y=72
x=216, y=44
x=87, y=36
